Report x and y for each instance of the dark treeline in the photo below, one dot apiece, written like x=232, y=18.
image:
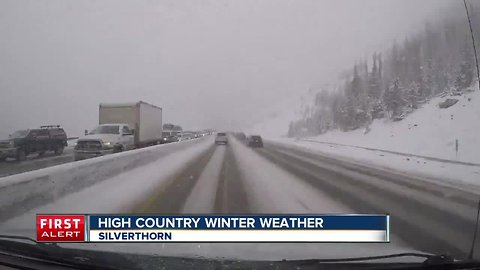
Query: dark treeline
x=436, y=60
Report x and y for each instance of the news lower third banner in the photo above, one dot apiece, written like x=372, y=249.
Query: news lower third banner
x=212, y=228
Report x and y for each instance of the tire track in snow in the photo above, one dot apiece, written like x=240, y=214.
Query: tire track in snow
x=271, y=189
x=170, y=198
x=231, y=194
x=407, y=216
x=202, y=197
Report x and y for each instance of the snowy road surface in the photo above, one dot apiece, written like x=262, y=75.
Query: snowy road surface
x=202, y=197
x=456, y=174
x=204, y=178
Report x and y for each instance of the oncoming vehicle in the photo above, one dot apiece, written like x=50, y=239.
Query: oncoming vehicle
x=221, y=138
x=180, y=136
x=104, y=139
x=254, y=141
x=188, y=135
x=169, y=137
x=39, y=140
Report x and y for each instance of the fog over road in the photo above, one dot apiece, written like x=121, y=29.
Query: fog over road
x=234, y=179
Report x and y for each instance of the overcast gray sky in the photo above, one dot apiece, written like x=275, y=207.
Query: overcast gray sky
x=207, y=63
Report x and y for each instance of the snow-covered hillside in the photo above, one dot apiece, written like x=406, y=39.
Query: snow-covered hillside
x=428, y=131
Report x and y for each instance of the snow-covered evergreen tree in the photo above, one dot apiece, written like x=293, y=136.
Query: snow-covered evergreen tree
x=433, y=60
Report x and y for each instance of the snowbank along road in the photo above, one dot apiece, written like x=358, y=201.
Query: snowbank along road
x=200, y=177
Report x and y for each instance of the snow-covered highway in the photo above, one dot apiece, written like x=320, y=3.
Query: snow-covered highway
x=199, y=177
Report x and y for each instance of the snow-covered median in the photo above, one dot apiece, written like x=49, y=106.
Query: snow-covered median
x=113, y=195
x=21, y=192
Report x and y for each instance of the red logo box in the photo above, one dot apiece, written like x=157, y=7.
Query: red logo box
x=60, y=228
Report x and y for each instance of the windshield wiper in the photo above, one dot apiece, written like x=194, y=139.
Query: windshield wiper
x=18, y=237
x=430, y=260
x=26, y=238
x=371, y=258
x=53, y=253
x=90, y=258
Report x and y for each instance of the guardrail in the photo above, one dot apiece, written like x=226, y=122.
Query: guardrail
x=396, y=153
x=22, y=192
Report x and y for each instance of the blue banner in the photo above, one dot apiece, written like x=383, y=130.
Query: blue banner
x=238, y=222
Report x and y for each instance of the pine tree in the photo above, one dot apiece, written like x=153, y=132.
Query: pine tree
x=374, y=80
x=291, y=131
x=380, y=66
x=393, y=99
x=412, y=95
x=465, y=74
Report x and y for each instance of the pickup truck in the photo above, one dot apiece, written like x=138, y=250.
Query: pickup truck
x=105, y=139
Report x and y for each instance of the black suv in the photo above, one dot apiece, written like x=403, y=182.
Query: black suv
x=24, y=142
x=255, y=141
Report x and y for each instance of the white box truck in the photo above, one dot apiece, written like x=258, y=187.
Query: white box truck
x=145, y=120
x=123, y=126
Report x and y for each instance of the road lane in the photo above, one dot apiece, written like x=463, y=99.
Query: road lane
x=171, y=198
x=271, y=189
x=34, y=162
x=232, y=197
x=429, y=218
x=203, y=195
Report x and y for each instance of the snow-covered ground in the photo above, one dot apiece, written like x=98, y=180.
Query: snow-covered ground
x=428, y=131
x=456, y=175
